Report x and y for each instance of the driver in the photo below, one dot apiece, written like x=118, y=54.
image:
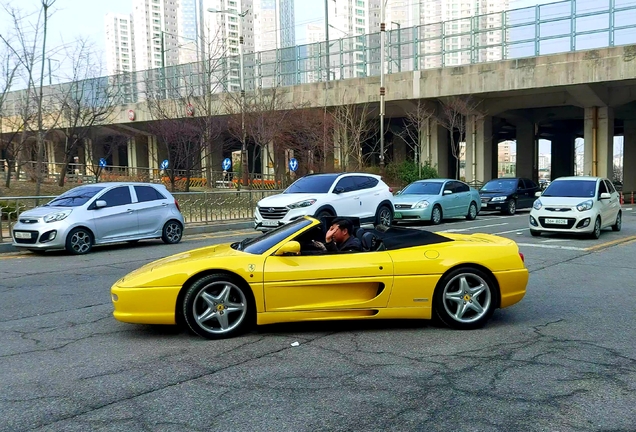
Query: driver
x=339, y=238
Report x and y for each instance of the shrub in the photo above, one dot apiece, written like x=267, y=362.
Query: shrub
x=408, y=171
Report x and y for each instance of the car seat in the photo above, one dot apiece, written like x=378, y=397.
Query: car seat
x=371, y=242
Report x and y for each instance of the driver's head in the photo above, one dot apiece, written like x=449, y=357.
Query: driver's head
x=343, y=231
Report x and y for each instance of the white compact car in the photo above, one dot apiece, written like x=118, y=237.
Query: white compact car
x=576, y=205
x=360, y=195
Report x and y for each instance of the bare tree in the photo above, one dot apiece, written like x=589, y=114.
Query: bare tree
x=308, y=133
x=453, y=116
x=355, y=126
x=96, y=150
x=415, y=122
x=8, y=70
x=85, y=101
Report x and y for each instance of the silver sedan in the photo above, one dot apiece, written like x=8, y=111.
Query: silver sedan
x=100, y=213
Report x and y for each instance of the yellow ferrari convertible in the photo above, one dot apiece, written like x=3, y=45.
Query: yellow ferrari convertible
x=222, y=290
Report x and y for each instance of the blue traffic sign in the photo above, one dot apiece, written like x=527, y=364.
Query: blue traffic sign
x=102, y=162
x=293, y=164
x=164, y=164
x=227, y=164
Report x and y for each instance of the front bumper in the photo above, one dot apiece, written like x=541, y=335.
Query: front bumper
x=562, y=222
x=154, y=305
x=496, y=205
x=280, y=216
x=40, y=235
x=412, y=213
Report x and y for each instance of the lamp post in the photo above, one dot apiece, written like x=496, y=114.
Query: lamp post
x=382, y=89
x=240, y=16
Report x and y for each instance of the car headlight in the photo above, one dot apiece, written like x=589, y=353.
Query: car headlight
x=58, y=216
x=498, y=198
x=301, y=204
x=537, y=205
x=421, y=204
x=585, y=205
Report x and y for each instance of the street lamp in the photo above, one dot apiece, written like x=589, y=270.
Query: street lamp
x=240, y=15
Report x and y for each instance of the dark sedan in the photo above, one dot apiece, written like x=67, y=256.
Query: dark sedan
x=508, y=194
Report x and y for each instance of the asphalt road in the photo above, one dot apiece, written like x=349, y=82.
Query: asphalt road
x=561, y=360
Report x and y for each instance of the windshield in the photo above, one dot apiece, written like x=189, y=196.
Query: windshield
x=423, y=188
x=312, y=184
x=260, y=244
x=75, y=197
x=500, y=185
x=571, y=188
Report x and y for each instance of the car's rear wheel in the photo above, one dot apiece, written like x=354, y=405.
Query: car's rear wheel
x=384, y=216
x=596, y=233
x=218, y=306
x=79, y=241
x=436, y=215
x=172, y=232
x=472, y=211
x=465, y=298
x=619, y=222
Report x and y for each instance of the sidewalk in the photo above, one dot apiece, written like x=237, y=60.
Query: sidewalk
x=190, y=229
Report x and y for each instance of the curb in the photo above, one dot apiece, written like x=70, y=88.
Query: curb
x=191, y=229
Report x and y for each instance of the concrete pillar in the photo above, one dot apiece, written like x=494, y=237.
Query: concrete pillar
x=49, y=147
x=485, y=152
x=142, y=152
x=132, y=156
x=437, y=147
x=599, y=136
x=470, y=171
x=268, y=160
x=562, y=156
x=629, y=156
x=153, y=157
x=527, y=151
x=399, y=148
x=338, y=162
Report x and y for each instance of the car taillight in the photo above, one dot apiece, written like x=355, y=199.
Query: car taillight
x=523, y=259
x=391, y=189
x=177, y=204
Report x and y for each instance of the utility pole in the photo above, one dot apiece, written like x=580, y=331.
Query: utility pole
x=327, y=36
x=382, y=89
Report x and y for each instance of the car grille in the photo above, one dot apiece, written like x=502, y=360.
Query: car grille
x=403, y=206
x=569, y=225
x=558, y=209
x=273, y=212
x=32, y=240
x=28, y=221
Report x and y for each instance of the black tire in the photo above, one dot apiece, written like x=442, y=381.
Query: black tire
x=437, y=215
x=535, y=233
x=38, y=251
x=172, y=232
x=596, y=233
x=472, y=211
x=384, y=216
x=323, y=213
x=214, y=313
x=619, y=222
x=465, y=298
x=511, y=208
x=79, y=241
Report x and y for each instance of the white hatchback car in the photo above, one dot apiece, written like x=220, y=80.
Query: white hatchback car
x=360, y=195
x=575, y=205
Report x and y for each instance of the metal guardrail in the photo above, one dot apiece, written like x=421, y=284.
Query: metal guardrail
x=196, y=207
x=551, y=28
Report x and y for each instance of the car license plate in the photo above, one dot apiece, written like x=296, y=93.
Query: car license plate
x=557, y=221
x=484, y=204
x=270, y=223
x=22, y=235
x=397, y=215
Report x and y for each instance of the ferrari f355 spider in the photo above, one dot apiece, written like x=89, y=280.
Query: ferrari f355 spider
x=402, y=273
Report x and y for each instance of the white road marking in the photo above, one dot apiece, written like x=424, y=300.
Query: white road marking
x=518, y=231
x=474, y=228
x=545, y=246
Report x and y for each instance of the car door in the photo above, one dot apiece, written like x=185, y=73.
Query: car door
x=356, y=280
x=526, y=193
x=152, y=209
x=449, y=204
x=118, y=219
x=462, y=197
x=345, y=197
x=613, y=205
x=369, y=195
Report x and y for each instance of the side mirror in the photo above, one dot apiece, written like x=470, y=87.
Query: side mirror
x=100, y=204
x=338, y=190
x=398, y=192
x=289, y=248
x=537, y=194
x=448, y=192
x=605, y=195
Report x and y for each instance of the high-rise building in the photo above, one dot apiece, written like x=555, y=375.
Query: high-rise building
x=274, y=30
x=120, y=44
x=156, y=33
x=189, y=23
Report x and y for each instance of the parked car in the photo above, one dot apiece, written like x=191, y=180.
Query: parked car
x=436, y=199
x=582, y=205
x=360, y=195
x=100, y=213
x=223, y=290
x=508, y=194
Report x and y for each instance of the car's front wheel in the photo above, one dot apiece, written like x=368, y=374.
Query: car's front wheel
x=511, y=208
x=218, y=306
x=79, y=241
x=465, y=298
x=597, y=228
x=436, y=215
x=172, y=232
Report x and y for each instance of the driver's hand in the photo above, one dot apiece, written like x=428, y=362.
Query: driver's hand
x=330, y=234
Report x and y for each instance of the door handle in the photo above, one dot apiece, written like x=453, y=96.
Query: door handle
x=356, y=197
x=130, y=210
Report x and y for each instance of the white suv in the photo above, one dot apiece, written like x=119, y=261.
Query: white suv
x=360, y=195
x=576, y=205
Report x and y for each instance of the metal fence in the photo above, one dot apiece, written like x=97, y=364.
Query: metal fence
x=196, y=207
x=563, y=26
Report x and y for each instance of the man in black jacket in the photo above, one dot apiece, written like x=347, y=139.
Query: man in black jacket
x=339, y=238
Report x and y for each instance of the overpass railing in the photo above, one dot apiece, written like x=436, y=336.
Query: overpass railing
x=563, y=26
